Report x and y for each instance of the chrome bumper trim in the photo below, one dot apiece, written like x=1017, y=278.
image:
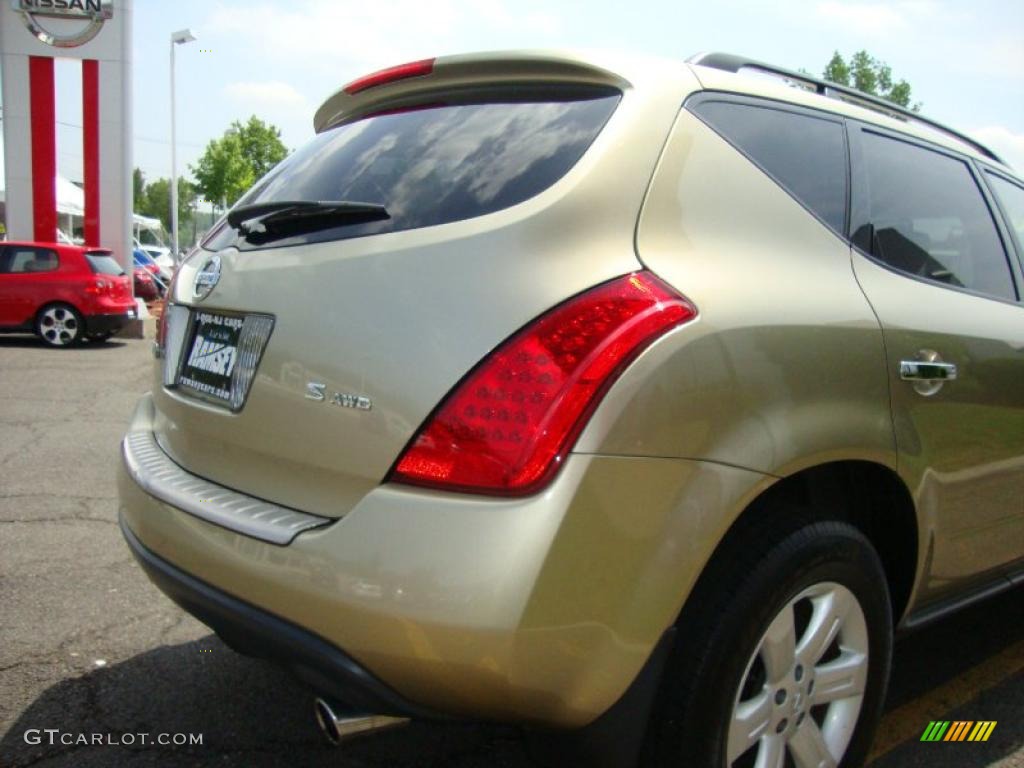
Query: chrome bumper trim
x=159, y=476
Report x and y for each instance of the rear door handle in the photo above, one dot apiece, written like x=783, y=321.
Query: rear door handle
x=922, y=370
x=928, y=372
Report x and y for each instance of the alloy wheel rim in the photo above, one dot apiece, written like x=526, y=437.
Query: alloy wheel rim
x=59, y=326
x=803, y=688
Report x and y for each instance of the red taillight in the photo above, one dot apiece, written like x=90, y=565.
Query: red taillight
x=96, y=287
x=161, y=323
x=507, y=427
x=389, y=75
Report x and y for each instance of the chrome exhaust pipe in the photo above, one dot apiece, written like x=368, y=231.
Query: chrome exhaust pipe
x=339, y=727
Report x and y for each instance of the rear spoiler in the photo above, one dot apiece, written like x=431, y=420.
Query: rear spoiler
x=406, y=84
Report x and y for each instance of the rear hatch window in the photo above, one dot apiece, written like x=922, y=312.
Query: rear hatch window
x=103, y=263
x=431, y=164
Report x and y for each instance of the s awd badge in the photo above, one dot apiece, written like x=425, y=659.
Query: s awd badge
x=317, y=391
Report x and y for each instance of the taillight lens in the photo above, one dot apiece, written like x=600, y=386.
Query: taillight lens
x=96, y=287
x=161, y=326
x=506, y=428
x=165, y=303
x=389, y=75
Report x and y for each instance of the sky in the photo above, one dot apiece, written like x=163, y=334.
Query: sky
x=280, y=60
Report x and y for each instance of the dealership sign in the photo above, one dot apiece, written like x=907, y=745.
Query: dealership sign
x=95, y=35
x=92, y=14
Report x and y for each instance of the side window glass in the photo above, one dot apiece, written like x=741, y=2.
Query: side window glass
x=1012, y=198
x=926, y=216
x=806, y=155
x=45, y=261
x=20, y=260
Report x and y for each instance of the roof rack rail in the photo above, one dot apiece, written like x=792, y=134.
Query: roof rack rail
x=732, y=63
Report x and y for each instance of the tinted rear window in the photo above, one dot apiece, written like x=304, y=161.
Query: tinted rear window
x=806, y=155
x=103, y=264
x=434, y=165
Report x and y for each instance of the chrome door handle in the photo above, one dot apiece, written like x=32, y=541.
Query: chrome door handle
x=928, y=372
x=924, y=370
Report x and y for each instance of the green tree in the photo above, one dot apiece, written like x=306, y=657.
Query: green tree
x=837, y=70
x=234, y=162
x=156, y=202
x=261, y=145
x=868, y=74
x=222, y=173
x=138, y=189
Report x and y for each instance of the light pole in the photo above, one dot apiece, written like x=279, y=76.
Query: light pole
x=179, y=37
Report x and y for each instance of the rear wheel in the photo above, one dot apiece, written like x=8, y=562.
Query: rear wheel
x=60, y=325
x=783, y=655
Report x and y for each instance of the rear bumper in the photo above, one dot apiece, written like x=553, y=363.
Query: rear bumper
x=107, y=323
x=256, y=632
x=540, y=610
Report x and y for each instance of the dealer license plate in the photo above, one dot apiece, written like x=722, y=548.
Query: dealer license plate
x=211, y=355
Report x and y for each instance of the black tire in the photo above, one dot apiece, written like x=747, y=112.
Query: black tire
x=60, y=325
x=749, y=585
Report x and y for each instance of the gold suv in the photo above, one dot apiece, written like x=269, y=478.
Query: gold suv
x=635, y=401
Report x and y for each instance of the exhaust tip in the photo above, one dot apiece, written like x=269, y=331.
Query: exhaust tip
x=326, y=719
x=339, y=727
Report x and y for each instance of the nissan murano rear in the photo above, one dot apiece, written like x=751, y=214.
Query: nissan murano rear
x=636, y=402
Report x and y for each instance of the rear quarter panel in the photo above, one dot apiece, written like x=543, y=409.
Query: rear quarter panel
x=784, y=368
x=68, y=283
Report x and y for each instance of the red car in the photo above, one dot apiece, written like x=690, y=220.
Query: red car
x=63, y=293
x=160, y=276
x=146, y=287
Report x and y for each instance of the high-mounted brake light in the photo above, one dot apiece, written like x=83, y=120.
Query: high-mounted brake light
x=391, y=74
x=507, y=427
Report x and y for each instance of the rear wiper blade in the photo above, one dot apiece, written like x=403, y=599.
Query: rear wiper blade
x=302, y=214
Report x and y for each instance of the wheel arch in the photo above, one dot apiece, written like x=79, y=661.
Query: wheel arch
x=865, y=494
x=56, y=300
x=802, y=515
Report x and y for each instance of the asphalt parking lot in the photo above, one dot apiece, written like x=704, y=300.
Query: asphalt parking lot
x=88, y=646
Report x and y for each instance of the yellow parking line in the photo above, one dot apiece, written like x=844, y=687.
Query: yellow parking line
x=907, y=722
